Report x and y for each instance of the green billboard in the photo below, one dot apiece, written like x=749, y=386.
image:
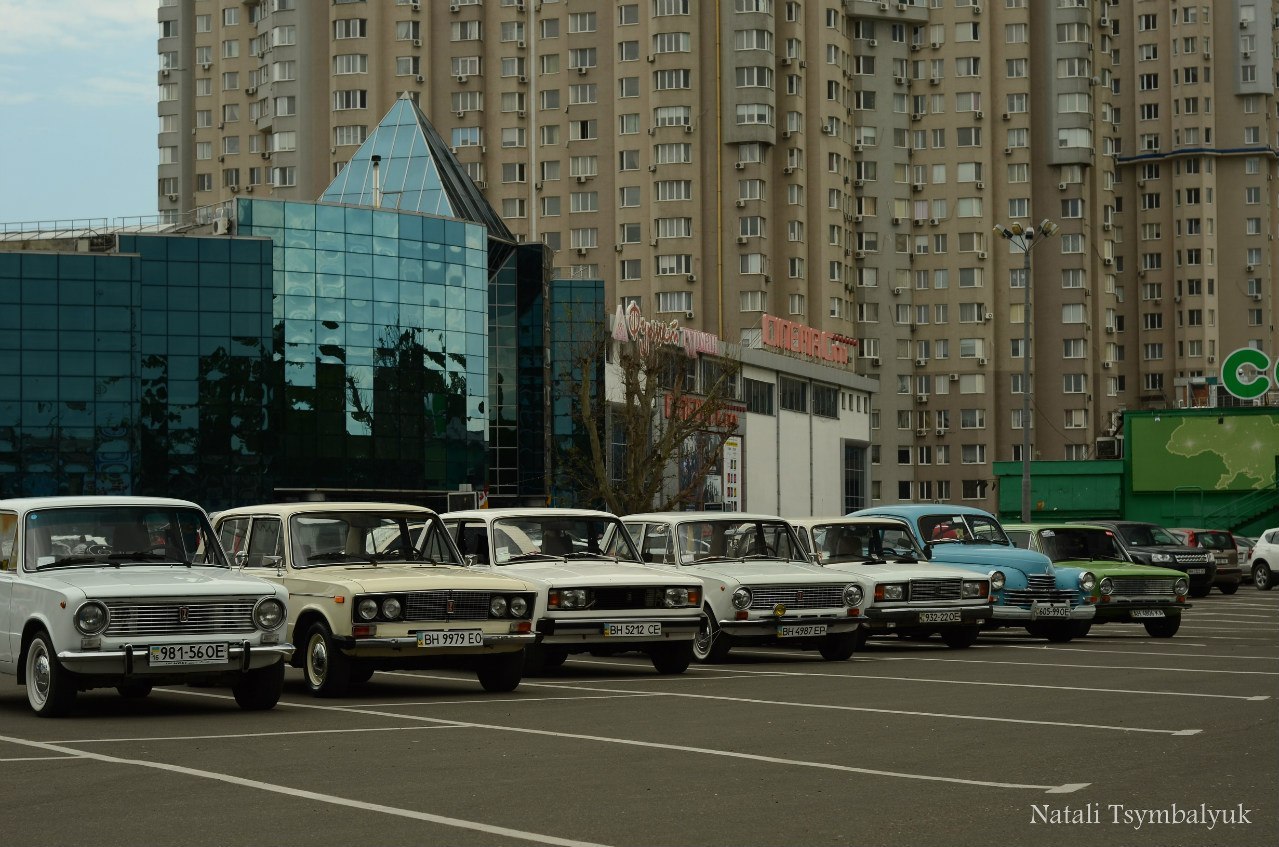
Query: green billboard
x=1228, y=452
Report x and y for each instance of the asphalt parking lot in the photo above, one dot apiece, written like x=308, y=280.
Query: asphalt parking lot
x=1013, y=741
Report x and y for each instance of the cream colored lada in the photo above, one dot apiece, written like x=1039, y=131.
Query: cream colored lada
x=375, y=586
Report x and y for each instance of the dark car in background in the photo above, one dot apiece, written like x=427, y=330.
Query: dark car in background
x=1148, y=543
x=1225, y=552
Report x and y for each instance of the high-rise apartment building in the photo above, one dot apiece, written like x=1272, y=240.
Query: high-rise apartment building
x=840, y=164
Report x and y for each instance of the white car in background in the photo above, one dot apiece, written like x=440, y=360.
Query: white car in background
x=596, y=595
x=130, y=593
x=1263, y=560
x=908, y=596
x=759, y=584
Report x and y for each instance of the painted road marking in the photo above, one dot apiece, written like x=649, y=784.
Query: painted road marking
x=39, y=759
x=1057, y=648
x=1067, y=665
x=302, y=794
x=243, y=734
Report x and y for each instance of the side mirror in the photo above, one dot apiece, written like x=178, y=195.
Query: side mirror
x=928, y=551
x=241, y=557
x=276, y=562
x=470, y=559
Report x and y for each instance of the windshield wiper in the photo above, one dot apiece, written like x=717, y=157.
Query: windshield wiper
x=340, y=558
x=145, y=556
x=706, y=559
x=75, y=561
x=526, y=557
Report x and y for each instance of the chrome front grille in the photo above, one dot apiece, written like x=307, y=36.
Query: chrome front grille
x=928, y=590
x=797, y=596
x=1133, y=587
x=130, y=619
x=627, y=597
x=435, y=606
x=1041, y=588
x=1191, y=558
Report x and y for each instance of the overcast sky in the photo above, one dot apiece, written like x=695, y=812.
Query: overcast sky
x=78, y=106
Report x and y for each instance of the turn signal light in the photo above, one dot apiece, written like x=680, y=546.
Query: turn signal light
x=743, y=615
x=522, y=626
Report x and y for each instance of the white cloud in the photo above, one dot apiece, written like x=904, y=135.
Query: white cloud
x=43, y=26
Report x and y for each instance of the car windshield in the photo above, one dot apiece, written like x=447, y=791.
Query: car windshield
x=1144, y=535
x=1071, y=544
x=730, y=538
x=120, y=536
x=370, y=538
x=860, y=542
x=533, y=537
x=963, y=529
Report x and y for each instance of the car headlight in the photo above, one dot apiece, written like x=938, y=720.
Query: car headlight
x=890, y=591
x=675, y=597
x=975, y=589
x=567, y=598
x=91, y=618
x=1107, y=587
x=366, y=609
x=497, y=607
x=996, y=580
x=518, y=607
x=268, y=614
x=853, y=595
x=1160, y=557
x=1181, y=586
x=742, y=598
x=391, y=608
x=1087, y=581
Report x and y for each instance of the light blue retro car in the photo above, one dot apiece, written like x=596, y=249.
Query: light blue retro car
x=1027, y=589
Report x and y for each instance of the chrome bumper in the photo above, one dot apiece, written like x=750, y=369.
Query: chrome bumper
x=591, y=630
x=1082, y=612
x=409, y=642
x=891, y=618
x=132, y=661
x=767, y=627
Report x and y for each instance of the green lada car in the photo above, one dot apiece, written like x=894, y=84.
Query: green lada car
x=1124, y=592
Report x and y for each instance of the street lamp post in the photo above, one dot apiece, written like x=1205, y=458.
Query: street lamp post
x=1024, y=239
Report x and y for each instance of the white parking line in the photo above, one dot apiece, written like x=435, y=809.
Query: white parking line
x=39, y=759
x=301, y=794
x=244, y=734
x=1066, y=665
x=1057, y=648
x=1066, y=788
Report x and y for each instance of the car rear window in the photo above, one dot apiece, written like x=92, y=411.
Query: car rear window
x=1215, y=540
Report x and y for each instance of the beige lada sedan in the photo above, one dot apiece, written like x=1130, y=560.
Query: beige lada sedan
x=377, y=586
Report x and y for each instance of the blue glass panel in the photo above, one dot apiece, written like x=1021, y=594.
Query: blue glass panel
x=267, y=213
x=359, y=264
x=331, y=219
x=299, y=215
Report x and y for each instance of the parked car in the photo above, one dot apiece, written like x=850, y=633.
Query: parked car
x=1245, y=545
x=1147, y=543
x=908, y=595
x=1124, y=592
x=1224, y=551
x=1027, y=589
x=759, y=584
x=377, y=586
x=1264, y=560
x=130, y=593
x=595, y=594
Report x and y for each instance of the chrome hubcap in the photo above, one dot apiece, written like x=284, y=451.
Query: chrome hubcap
x=319, y=659
x=41, y=675
x=1261, y=576
x=702, y=642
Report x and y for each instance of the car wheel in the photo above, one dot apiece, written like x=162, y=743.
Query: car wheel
x=711, y=645
x=134, y=690
x=1229, y=588
x=327, y=671
x=259, y=689
x=1080, y=629
x=1200, y=590
x=959, y=637
x=838, y=647
x=1058, y=632
x=51, y=688
x=501, y=672
x=1164, y=628
x=671, y=658
x=1261, y=576
x=361, y=672
x=539, y=659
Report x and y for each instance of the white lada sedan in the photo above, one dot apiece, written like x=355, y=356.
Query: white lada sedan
x=595, y=594
x=376, y=586
x=758, y=582
x=908, y=595
x=130, y=593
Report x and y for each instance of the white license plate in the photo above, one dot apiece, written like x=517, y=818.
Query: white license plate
x=188, y=654
x=451, y=638
x=632, y=629
x=1050, y=610
x=801, y=630
x=1196, y=571
x=940, y=617
x=1147, y=613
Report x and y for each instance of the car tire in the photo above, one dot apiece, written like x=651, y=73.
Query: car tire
x=1229, y=588
x=1163, y=627
x=258, y=690
x=838, y=647
x=539, y=659
x=51, y=688
x=960, y=637
x=501, y=672
x=1261, y=576
x=670, y=659
x=1058, y=632
x=711, y=644
x=327, y=670
x=361, y=672
x=134, y=690
x=1080, y=629
x=1200, y=590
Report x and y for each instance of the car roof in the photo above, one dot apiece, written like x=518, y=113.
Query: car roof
x=1035, y=526
x=289, y=509
x=26, y=504
x=863, y=520
x=683, y=517
x=529, y=512
x=914, y=510
x=1198, y=529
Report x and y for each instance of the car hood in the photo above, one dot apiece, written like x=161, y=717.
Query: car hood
x=989, y=556
x=1163, y=548
x=755, y=573
x=380, y=580
x=897, y=573
x=1111, y=568
x=604, y=572
x=159, y=581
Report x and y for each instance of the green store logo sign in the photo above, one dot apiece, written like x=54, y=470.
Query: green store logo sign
x=1245, y=375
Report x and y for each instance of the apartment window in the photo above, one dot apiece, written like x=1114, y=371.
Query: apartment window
x=752, y=301
x=758, y=396
x=284, y=177
x=674, y=301
x=972, y=454
x=672, y=42
x=630, y=270
x=344, y=136
x=792, y=394
x=581, y=22
x=464, y=31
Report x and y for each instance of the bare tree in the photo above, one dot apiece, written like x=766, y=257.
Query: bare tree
x=649, y=442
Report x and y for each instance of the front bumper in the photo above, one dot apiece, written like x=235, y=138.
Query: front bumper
x=382, y=646
x=767, y=627
x=1021, y=614
x=1228, y=575
x=881, y=618
x=1120, y=610
x=131, y=660
x=591, y=630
